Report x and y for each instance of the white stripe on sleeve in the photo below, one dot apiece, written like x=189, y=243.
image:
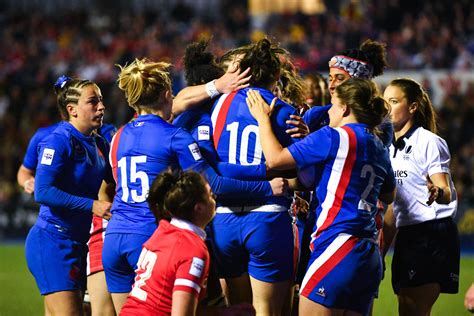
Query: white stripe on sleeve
x=188, y=283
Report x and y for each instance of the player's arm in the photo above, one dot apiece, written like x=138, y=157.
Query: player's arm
x=107, y=191
x=26, y=179
x=26, y=173
x=52, y=158
x=389, y=229
x=184, y=303
x=438, y=188
x=190, y=157
x=192, y=96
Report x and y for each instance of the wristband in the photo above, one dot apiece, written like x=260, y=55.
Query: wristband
x=211, y=89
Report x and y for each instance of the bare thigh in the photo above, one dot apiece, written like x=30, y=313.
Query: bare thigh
x=270, y=298
x=101, y=301
x=64, y=303
x=418, y=300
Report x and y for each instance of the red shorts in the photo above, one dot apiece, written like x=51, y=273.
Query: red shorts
x=96, y=243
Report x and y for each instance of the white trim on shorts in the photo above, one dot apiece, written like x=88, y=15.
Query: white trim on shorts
x=269, y=208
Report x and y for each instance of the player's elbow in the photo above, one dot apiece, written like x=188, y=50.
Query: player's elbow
x=272, y=162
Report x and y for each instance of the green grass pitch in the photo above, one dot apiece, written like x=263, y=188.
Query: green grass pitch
x=19, y=295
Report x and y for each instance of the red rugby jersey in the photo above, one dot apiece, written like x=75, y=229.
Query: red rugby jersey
x=175, y=258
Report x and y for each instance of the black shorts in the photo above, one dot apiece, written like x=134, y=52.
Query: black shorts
x=427, y=253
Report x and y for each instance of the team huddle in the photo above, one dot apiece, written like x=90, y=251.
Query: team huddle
x=241, y=194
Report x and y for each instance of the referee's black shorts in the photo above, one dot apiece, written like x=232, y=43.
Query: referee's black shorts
x=426, y=253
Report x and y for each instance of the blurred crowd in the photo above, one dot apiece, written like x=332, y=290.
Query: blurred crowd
x=36, y=48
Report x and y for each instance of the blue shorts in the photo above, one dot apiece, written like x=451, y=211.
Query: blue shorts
x=56, y=262
x=344, y=275
x=260, y=243
x=119, y=258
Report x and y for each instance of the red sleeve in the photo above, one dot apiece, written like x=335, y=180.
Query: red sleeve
x=192, y=268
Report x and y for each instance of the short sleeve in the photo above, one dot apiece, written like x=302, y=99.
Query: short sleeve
x=313, y=149
x=437, y=156
x=31, y=156
x=53, y=154
x=317, y=117
x=187, y=151
x=192, y=271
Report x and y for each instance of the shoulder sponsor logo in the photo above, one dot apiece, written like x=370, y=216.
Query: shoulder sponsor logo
x=411, y=274
x=197, y=267
x=194, y=149
x=204, y=132
x=48, y=155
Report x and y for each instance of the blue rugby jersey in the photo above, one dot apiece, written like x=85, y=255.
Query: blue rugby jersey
x=317, y=117
x=356, y=170
x=69, y=173
x=198, y=123
x=144, y=148
x=236, y=136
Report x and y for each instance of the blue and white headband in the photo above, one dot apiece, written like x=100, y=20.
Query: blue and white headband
x=354, y=67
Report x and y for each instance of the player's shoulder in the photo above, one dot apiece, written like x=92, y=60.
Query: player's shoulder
x=192, y=118
x=426, y=136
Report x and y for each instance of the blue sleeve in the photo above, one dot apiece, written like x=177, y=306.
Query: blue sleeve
x=31, y=156
x=107, y=131
x=281, y=114
x=386, y=128
x=313, y=149
x=390, y=182
x=104, y=147
x=317, y=117
x=189, y=157
x=251, y=172
x=54, y=154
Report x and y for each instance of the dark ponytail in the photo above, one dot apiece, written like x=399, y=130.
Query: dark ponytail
x=263, y=62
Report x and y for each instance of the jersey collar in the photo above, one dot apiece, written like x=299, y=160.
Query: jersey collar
x=181, y=223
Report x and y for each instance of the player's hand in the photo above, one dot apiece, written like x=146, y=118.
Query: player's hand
x=233, y=79
x=29, y=186
x=102, y=209
x=469, y=299
x=279, y=186
x=433, y=191
x=300, y=130
x=257, y=105
x=299, y=206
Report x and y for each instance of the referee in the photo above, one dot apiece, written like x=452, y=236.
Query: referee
x=427, y=252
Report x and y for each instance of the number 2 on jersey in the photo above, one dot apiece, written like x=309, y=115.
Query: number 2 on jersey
x=367, y=172
x=135, y=176
x=233, y=128
x=145, y=265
